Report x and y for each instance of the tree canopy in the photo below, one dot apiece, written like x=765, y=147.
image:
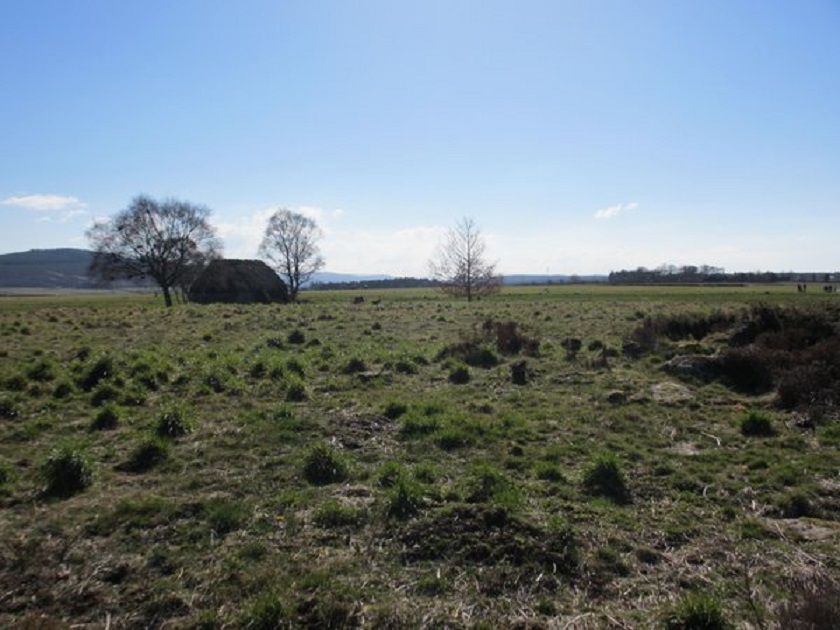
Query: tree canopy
x=290, y=244
x=169, y=241
x=460, y=263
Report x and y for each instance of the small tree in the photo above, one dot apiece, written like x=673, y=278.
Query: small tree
x=168, y=241
x=460, y=263
x=290, y=245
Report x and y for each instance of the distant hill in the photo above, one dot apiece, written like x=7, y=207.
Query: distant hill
x=46, y=268
x=67, y=269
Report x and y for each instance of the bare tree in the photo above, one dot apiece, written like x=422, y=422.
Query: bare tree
x=460, y=263
x=168, y=241
x=290, y=245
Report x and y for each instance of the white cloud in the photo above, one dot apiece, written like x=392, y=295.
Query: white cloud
x=45, y=203
x=243, y=235
x=613, y=211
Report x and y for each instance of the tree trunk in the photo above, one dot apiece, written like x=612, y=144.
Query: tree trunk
x=167, y=296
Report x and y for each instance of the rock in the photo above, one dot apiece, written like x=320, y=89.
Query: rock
x=671, y=393
x=698, y=366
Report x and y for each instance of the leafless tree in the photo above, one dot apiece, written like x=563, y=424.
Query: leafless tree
x=290, y=244
x=461, y=264
x=168, y=241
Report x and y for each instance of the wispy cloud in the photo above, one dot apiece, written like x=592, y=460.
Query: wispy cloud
x=46, y=203
x=613, y=211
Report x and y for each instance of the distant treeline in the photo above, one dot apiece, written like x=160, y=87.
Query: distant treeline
x=707, y=274
x=390, y=283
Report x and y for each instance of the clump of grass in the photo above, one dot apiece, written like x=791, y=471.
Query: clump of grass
x=296, y=392
x=147, y=454
x=404, y=366
x=62, y=389
x=459, y=375
x=418, y=425
x=488, y=484
x=324, y=465
x=756, y=424
x=405, y=499
x=394, y=410
x=16, y=383
x=297, y=337
x=173, y=424
x=354, y=366
x=107, y=418
x=101, y=369
x=450, y=438
x=604, y=478
x=67, y=471
x=225, y=516
x=269, y=612
x=697, y=611
x=9, y=407
x=796, y=504
x=549, y=471
x=296, y=367
x=42, y=371
x=334, y=515
x=389, y=473
x=104, y=393
x=5, y=473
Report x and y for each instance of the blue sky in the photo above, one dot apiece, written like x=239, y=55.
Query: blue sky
x=582, y=136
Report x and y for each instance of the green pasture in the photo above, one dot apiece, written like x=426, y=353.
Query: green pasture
x=398, y=459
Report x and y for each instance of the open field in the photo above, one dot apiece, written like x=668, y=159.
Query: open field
x=533, y=460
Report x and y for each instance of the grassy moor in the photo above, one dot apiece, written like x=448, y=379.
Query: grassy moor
x=547, y=457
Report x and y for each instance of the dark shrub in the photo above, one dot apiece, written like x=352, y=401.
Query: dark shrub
x=146, y=455
x=572, y=346
x=812, y=602
x=803, y=385
x=756, y=424
x=42, y=371
x=748, y=370
x=354, y=366
x=296, y=392
x=519, y=373
x=604, y=478
x=296, y=337
x=106, y=419
x=509, y=338
x=796, y=505
x=459, y=375
x=324, y=465
x=172, y=424
x=405, y=367
x=16, y=383
x=103, y=368
x=452, y=438
x=66, y=472
x=394, y=410
x=295, y=367
x=63, y=389
x=8, y=408
x=103, y=394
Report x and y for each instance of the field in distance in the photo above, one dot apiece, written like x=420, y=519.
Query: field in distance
x=550, y=457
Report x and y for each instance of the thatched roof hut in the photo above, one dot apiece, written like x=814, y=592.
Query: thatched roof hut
x=240, y=281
